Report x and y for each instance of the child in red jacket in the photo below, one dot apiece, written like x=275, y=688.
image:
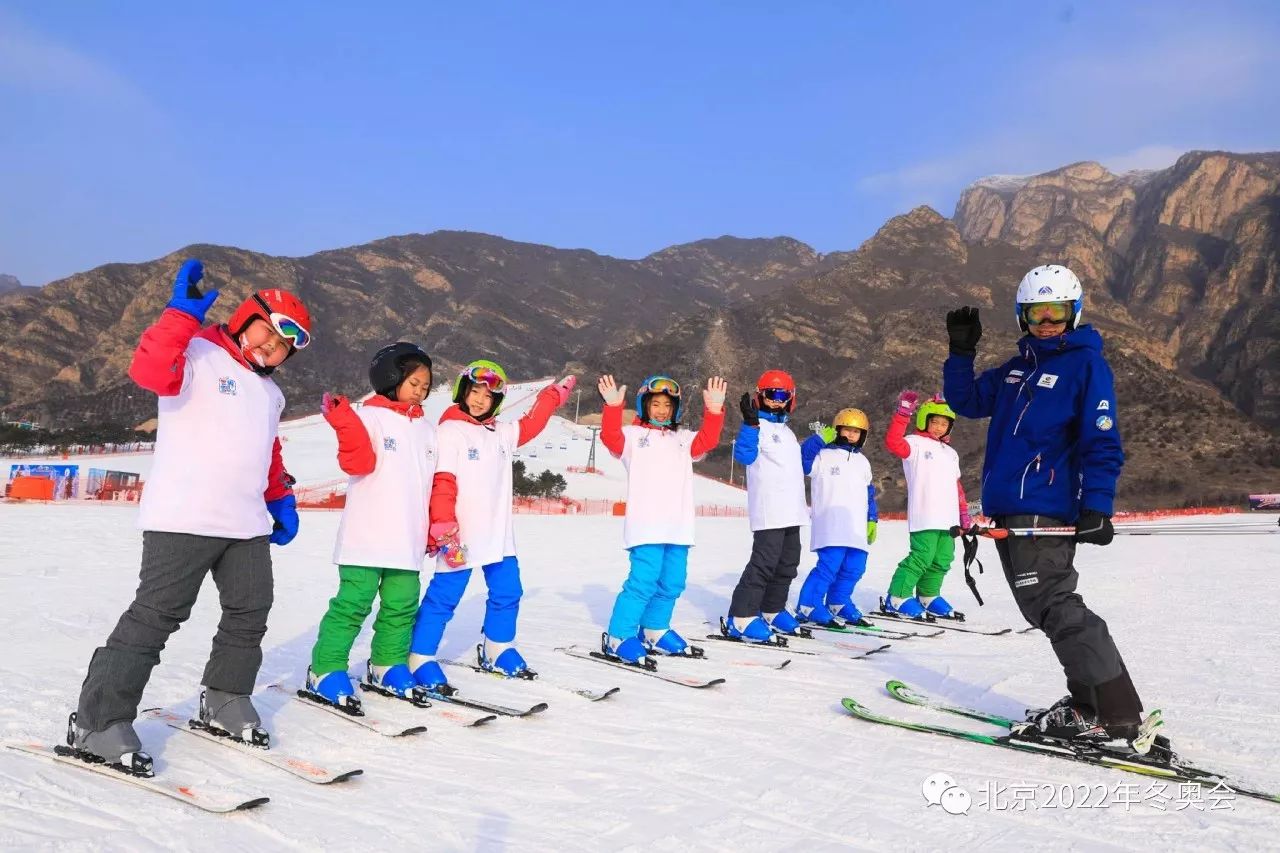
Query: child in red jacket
x=217, y=497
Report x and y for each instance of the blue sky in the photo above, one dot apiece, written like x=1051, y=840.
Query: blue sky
x=129, y=130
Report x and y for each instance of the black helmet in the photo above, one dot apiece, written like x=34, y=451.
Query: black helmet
x=388, y=368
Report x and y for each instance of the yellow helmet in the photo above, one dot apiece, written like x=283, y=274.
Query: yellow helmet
x=855, y=418
x=852, y=418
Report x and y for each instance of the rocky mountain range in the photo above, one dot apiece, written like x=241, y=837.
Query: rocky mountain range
x=1181, y=266
x=9, y=284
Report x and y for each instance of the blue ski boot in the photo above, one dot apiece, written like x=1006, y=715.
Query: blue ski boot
x=782, y=622
x=503, y=659
x=907, y=608
x=665, y=641
x=756, y=630
x=850, y=615
x=335, y=688
x=630, y=650
x=395, y=680
x=428, y=673
x=819, y=615
x=940, y=607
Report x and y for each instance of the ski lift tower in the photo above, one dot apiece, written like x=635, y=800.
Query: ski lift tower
x=591, y=455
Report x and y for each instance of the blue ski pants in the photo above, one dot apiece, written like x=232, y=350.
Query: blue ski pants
x=649, y=594
x=445, y=591
x=832, y=580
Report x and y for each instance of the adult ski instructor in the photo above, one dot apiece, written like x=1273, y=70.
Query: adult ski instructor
x=1053, y=457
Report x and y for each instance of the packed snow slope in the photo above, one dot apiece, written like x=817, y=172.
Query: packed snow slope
x=767, y=761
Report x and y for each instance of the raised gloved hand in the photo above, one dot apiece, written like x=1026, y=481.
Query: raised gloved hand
x=285, y=512
x=564, y=388
x=713, y=396
x=187, y=297
x=964, y=330
x=333, y=403
x=1094, y=528
x=442, y=537
x=908, y=400
x=750, y=410
x=828, y=434
x=871, y=532
x=612, y=395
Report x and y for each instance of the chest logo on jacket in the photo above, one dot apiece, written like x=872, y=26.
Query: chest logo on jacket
x=644, y=440
x=473, y=454
x=928, y=454
x=389, y=443
x=834, y=471
x=1048, y=380
x=777, y=439
x=226, y=385
x=1104, y=423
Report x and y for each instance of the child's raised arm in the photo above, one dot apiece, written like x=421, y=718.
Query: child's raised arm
x=611, y=419
x=160, y=361
x=712, y=418
x=356, y=456
x=549, y=399
x=895, y=439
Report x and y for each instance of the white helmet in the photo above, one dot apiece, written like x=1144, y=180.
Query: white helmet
x=1050, y=283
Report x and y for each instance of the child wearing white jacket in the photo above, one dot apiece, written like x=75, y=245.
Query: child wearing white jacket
x=658, y=526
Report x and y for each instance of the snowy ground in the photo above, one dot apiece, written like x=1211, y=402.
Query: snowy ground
x=766, y=762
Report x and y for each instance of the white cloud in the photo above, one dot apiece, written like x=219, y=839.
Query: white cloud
x=32, y=61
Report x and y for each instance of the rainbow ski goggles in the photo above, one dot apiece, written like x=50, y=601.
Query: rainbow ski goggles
x=486, y=376
x=288, y=328
x=1046, y=312
x=661, y=385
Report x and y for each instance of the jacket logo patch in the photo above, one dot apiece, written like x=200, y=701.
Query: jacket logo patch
x=1104, y=406
x=1048, y=380
x=644, y=439
x=834, y=471
x=1013, y=380
x=928, y=454
x=473, y=453
x=777, y=439
x=227, y=385
x=1104, y=423
x=1015, y=372
x=388, y=443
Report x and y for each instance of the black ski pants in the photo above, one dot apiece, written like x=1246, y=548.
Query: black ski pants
x=766, y=581
x=1042, y=575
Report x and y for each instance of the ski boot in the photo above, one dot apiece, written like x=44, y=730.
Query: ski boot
x=117, y=746
x=907, y=608
x=941, y=608
x=503, y=659
x=395, y=681
x=334, y=688
x=819, y=615
x=747, y=629
x=429, y=675
x=851, y=617
x=784, y=623
x=630, y=650
x=665, y=641
x=232, y=715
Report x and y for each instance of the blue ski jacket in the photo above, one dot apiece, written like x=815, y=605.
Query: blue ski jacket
x=1053, y=444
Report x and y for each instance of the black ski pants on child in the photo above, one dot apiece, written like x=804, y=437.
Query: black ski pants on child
x=174, y=566
x=1042, y=575
x=766, y=581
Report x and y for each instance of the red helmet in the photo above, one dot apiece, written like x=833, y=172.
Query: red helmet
x=776, y=380
x=280, y=309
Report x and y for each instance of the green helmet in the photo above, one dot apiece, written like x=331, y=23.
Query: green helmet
x=934, y=406
x=483, y=372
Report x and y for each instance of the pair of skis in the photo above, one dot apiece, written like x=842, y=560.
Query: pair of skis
x=1174, y=770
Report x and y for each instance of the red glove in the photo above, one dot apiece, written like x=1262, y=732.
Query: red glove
x=564, y=388
x=330, y=402
x=908, y=400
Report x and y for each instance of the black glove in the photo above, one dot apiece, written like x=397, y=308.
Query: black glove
x=750, y=411
x=1094, y=528
x=964, y=329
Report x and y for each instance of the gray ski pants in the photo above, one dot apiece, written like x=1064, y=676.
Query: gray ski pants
x=173, y=568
